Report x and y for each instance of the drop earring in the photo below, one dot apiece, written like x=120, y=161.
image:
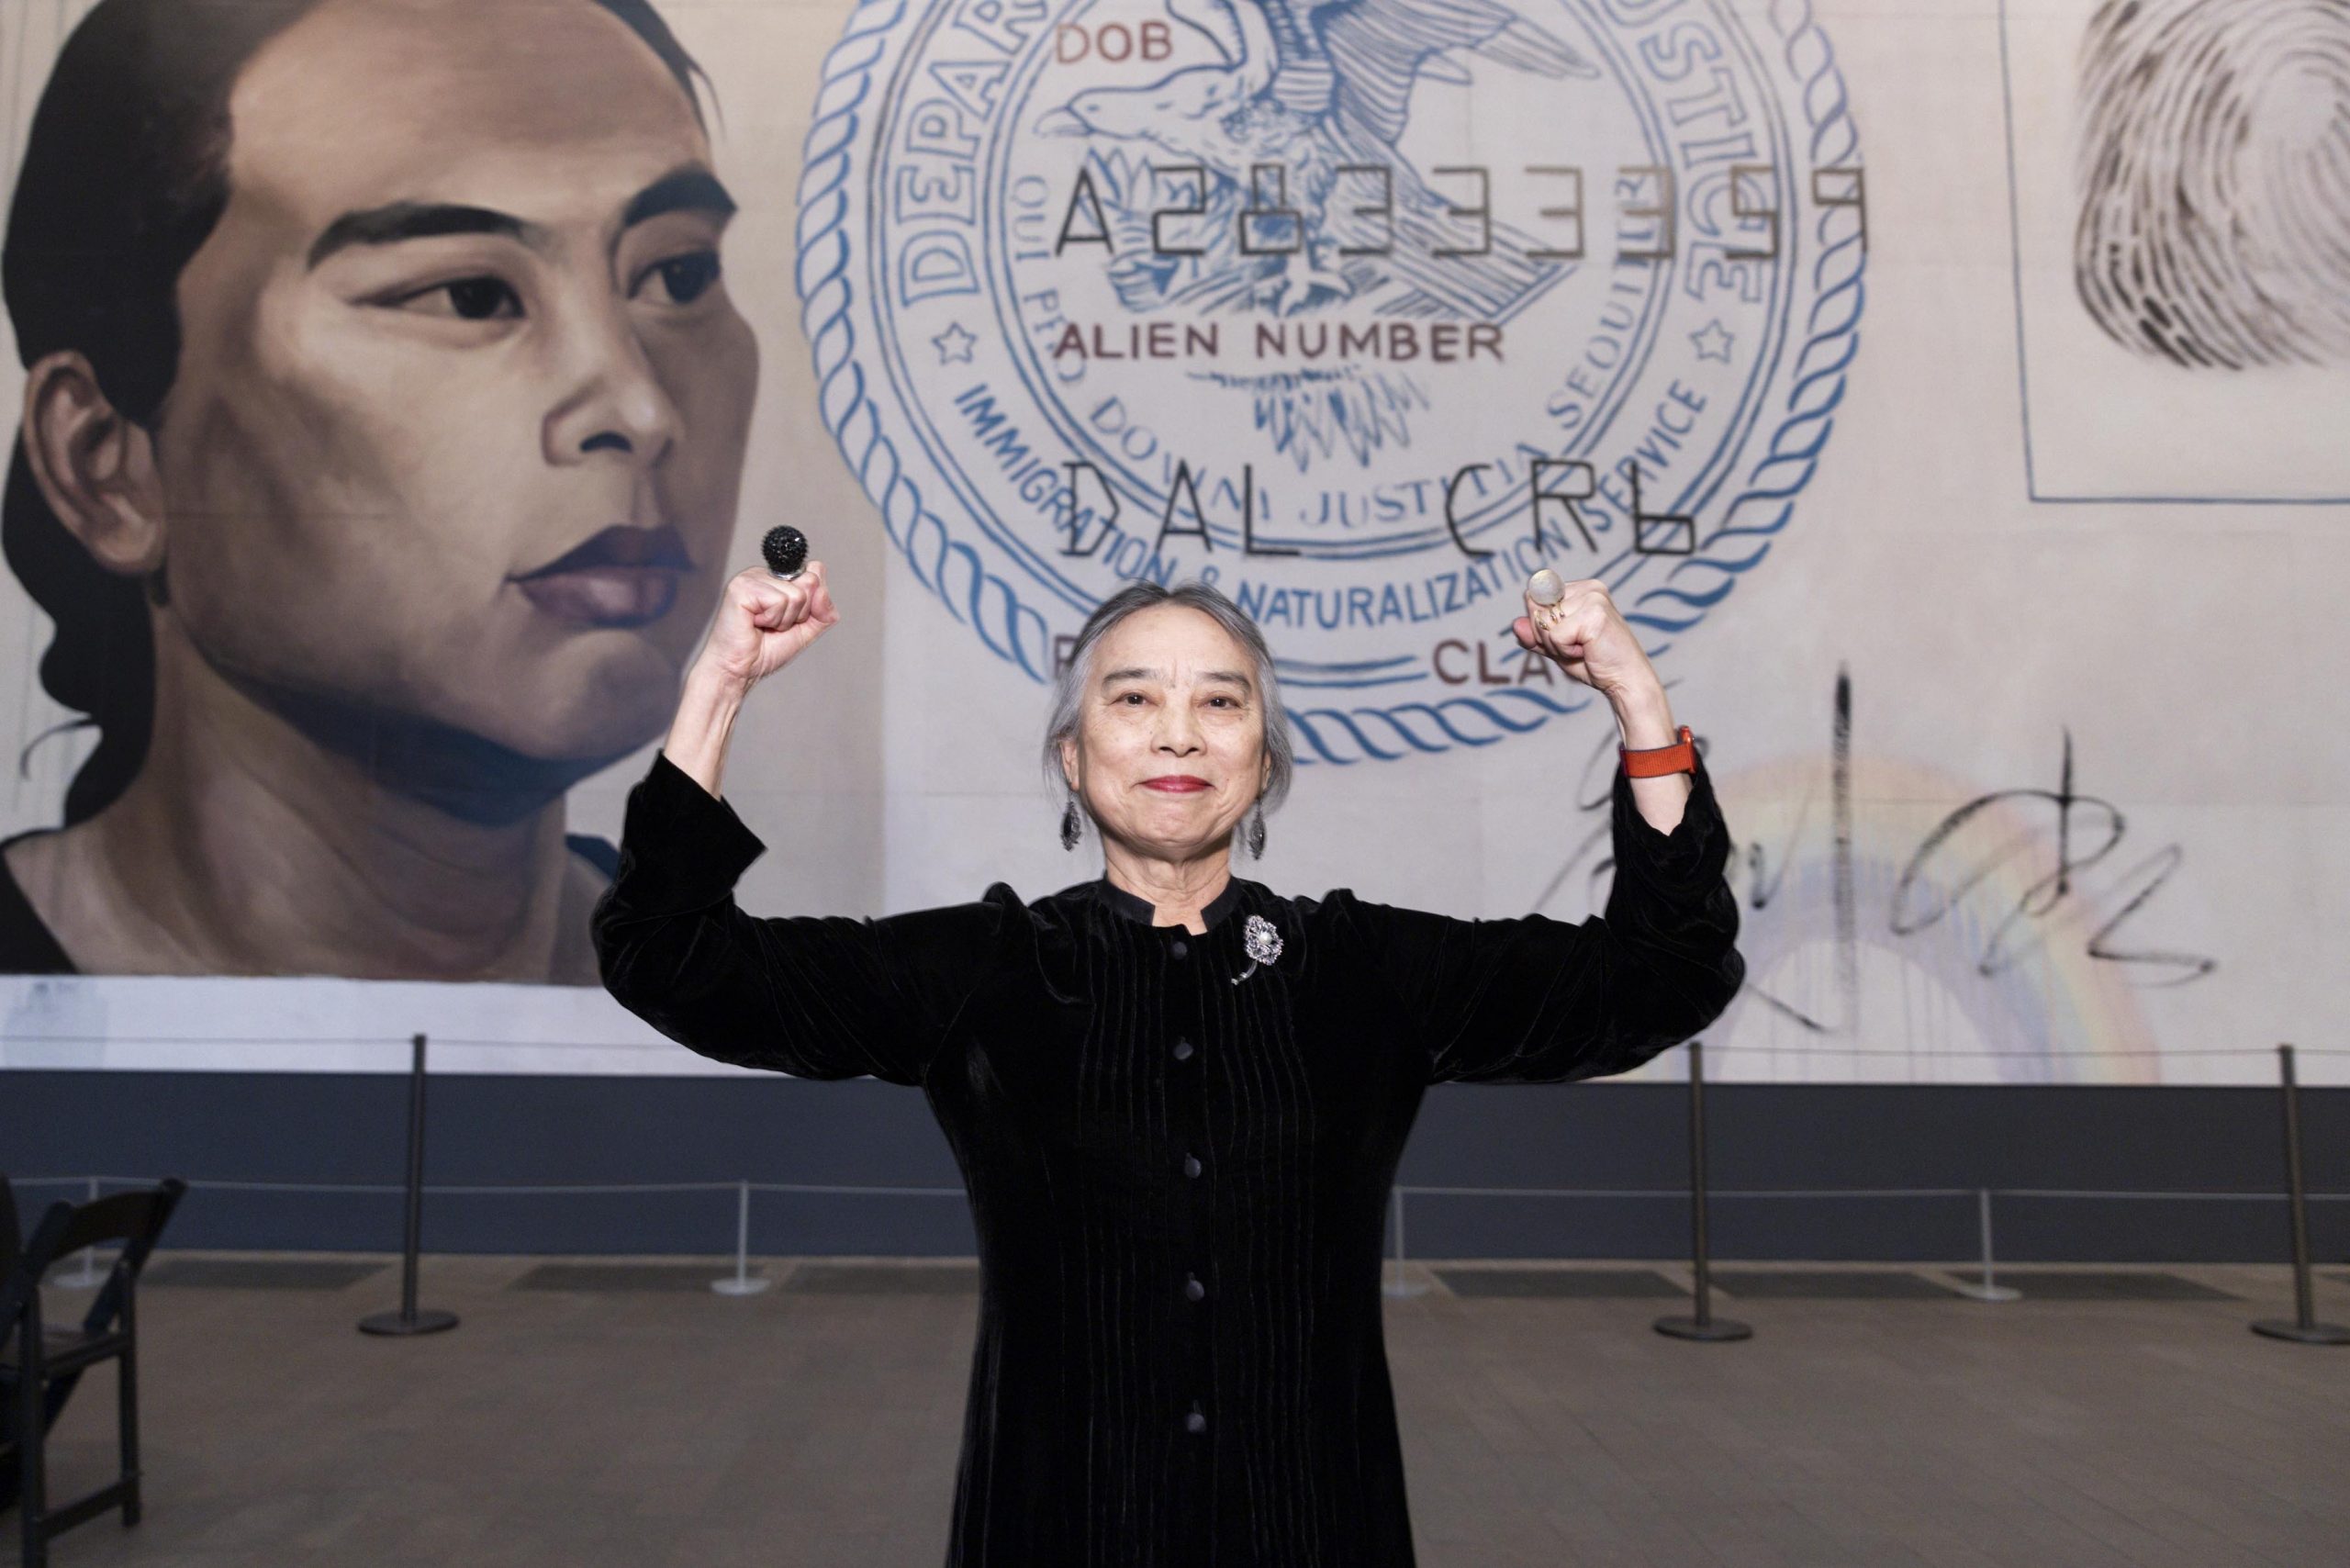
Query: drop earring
x=1072, y=826
x=1257, y=833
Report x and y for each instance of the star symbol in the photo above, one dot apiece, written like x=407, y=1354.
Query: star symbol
x=954, y=346
x=1713, y=340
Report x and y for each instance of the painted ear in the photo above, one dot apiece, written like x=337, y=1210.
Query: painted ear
x=94, y=467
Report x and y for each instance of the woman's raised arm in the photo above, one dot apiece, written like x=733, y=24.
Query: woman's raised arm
x=1533, y=1000
x=763, y=623
x=817, y=996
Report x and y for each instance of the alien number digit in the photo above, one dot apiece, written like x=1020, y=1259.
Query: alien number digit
x=1199, y=206
x=1383, y=210
x=1483, y=212
x=1280, y=207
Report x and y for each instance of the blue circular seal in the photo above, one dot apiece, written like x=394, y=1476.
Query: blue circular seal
x=1363, y=310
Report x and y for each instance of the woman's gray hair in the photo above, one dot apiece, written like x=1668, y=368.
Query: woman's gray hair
x=1070, y=685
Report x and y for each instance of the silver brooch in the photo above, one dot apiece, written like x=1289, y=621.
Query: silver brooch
x=1263, y=941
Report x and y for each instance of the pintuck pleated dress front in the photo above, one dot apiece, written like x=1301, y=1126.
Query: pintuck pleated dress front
x=1178, y=1166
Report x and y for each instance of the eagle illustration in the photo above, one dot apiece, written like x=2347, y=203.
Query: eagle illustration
x=1307, y=88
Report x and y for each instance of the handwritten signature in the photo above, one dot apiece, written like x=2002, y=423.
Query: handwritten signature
x=1949, y=864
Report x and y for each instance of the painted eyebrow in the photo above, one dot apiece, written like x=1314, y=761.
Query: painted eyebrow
x=681, y=190
x=690, y=189
x=398, y=220
x=1232, y=676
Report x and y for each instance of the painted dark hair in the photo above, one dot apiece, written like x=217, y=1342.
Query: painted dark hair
x=126, y=172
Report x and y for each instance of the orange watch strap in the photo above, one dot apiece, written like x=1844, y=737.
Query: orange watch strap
x=1648, y=762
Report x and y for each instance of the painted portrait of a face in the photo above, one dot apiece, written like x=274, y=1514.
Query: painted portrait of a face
x=382, y=428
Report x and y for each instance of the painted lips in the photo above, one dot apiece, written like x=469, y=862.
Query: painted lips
x=1177, y=785
x=605, y=596
x=624, y=576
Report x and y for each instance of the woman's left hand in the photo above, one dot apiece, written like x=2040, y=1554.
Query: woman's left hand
x=1587, y=637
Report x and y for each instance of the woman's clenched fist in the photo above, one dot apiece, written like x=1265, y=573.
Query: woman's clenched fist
x=763, y=621
x=1583, y=633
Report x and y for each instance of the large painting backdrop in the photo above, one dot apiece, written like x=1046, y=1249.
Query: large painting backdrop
x=395, y=394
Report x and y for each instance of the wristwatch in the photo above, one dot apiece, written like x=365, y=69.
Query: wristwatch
x=1646, y=762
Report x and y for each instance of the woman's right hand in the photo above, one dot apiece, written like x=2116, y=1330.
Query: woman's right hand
x=763, y=621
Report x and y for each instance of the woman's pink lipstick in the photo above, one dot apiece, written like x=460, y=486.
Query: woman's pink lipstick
x=1176, y=784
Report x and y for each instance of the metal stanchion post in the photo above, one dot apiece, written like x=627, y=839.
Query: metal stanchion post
x=1987, y=1290
x=1704, y=1325
x=1397, y=1284
x=740, y=1282
x=407, y=1319
x=2304, y=1328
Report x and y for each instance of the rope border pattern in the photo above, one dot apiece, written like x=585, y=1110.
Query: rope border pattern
x=1019, y=635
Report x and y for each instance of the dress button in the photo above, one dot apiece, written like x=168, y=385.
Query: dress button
x=1191, y=1165
x=1183, y=1050
x=1182, y=948
x=1195, y=1422
x=1195, y=1290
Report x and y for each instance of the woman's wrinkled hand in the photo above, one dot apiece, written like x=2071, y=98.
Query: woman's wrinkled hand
x=763, y=621
x=1585, y=635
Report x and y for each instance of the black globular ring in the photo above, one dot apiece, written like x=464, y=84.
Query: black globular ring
x=786, y=549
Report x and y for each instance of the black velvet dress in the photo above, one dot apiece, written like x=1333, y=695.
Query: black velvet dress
x=1179, y=1181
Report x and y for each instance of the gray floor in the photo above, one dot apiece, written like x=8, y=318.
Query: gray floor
x=595, y=1416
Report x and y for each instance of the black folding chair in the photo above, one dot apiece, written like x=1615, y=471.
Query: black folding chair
x=12, y=1242
x=40, y=1365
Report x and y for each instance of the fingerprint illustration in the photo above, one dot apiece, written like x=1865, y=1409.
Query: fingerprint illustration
x=2214, y=170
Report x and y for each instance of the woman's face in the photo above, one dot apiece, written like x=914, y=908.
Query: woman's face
x=1170, y=753
x=460, y=316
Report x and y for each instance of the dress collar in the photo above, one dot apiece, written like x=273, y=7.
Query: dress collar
x=1143, y=912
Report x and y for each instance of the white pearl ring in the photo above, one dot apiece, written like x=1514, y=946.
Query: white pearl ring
x=1546, y=588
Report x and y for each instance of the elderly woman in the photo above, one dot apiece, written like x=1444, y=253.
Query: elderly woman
x=1177, y=1096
